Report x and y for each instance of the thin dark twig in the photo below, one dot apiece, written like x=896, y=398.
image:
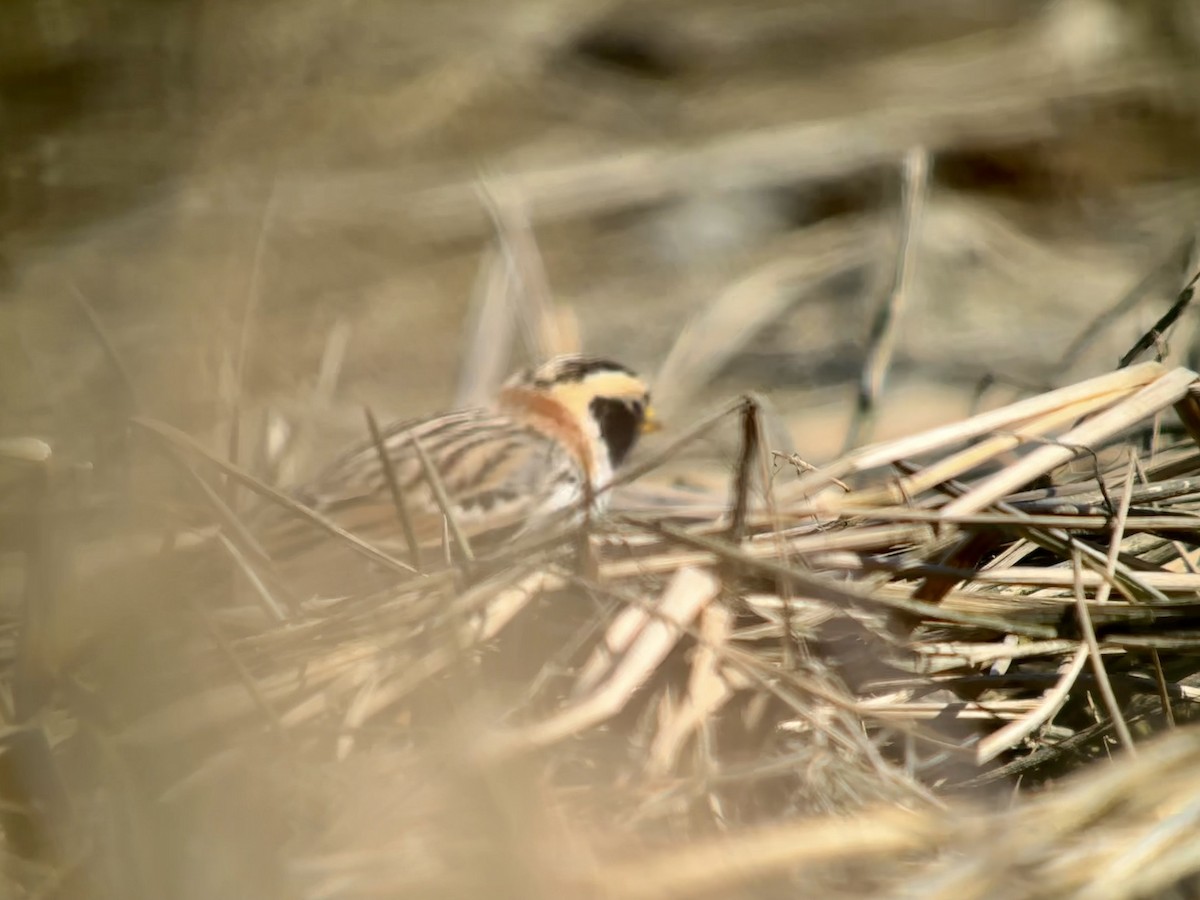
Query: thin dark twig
x=803, y=466
x=1155, y=334
x=389, y=474
x=1131, y=298
x=1160, y=677
x=790, y=646
x=1089, y=636
x=443, y=501
x=740, y=500
x=884, y=328
x=1160, y=681
x=1120, y=518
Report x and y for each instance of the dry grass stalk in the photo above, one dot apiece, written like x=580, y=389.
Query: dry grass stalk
x=882, y=343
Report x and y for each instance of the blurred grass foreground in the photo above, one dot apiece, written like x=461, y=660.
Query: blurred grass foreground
x=905, y=600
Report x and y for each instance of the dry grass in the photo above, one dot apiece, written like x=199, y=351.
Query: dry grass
x=958, y=661
x=865, y=677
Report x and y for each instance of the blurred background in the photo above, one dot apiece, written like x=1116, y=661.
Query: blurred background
x=211, y=174
x=212, y=208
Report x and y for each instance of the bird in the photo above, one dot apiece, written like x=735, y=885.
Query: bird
x=541, y=453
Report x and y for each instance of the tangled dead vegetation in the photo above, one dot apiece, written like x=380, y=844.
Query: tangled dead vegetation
x=961, y=660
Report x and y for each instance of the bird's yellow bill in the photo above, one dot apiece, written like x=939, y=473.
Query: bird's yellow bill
x=650, y=422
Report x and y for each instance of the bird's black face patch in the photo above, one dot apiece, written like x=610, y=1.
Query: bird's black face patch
x=620, y=424
x=577, y=368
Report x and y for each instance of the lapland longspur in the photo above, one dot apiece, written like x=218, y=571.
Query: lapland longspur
x=554, y=436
